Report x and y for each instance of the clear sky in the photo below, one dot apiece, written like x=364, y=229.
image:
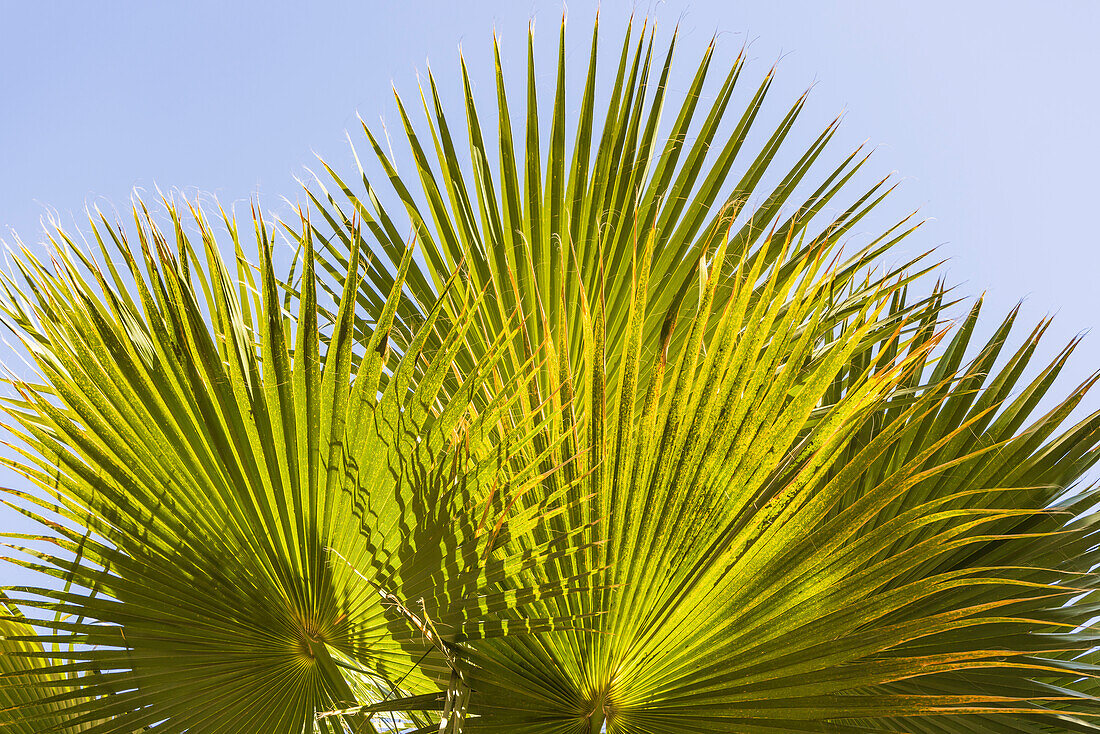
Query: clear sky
x=987, y=110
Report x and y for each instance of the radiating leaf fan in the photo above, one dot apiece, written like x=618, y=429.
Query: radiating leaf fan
x=817, y=519
x=620, y=439
x=240, y=519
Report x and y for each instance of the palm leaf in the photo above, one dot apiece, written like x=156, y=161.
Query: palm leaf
x=26, y=677
x=252, y=530
x=818, y=517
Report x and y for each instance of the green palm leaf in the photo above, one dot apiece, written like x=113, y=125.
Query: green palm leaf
x=784, y=494
x=819, y=517
x=26, y=678
x=251, y=529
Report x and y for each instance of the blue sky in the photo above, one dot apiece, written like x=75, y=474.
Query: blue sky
x=987, y=110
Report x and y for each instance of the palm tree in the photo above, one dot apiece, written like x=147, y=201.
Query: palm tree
x=654, y=457
x=821, y=513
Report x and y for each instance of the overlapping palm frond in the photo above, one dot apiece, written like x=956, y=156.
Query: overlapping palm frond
x=819, y=517
x=900, y=563
x=248, y=527
x=25, y=680
x=996, y=494
x=621, y=441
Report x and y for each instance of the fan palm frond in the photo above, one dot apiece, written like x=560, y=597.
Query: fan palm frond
x=821, y=514
x=248, y=525
x=620, y=439
x=26, y=679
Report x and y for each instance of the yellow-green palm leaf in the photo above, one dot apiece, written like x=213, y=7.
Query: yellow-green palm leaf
x=251, y=527
x=819, y=513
